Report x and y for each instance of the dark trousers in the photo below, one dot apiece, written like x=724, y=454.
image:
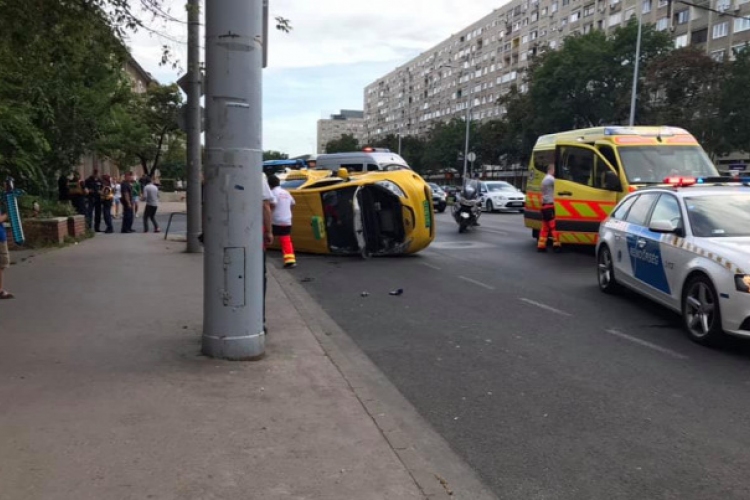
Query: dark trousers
x=79, y=204
x=127, y=218
x=94, y=212
x=107, y=212
x=149, y=213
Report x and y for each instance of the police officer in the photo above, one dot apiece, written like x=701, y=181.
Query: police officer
x=93, y=187
x=548, y=213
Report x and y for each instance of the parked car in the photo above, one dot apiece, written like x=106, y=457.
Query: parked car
x=439, y=198
x=501, y=195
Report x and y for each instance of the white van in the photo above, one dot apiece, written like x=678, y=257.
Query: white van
x=368, y=160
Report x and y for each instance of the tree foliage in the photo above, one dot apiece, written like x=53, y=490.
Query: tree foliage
x=345, y=143
x=274, y=155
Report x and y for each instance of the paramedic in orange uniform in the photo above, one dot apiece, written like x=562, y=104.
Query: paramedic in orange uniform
x=548, y=213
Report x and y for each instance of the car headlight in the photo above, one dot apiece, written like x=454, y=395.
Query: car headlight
x=501, y=198
x=392, y=187
x=742, y=282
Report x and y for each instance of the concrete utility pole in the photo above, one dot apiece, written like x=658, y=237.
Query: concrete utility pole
x=636, y=63
x=468, y=124
x=233, y=262
x=193, y=127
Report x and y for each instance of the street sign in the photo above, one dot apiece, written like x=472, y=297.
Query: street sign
x=182, y=118
x=184, y=80
x=471, y=156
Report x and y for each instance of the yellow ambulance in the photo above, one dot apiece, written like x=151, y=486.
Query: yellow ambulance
x=597, y=167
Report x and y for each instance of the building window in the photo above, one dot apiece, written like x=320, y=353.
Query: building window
x=525, y=39
x=662, y=24
x=589, y=10
x=615, y=19
x=718, y=55
x=736, y=49
x=646, y=6
x=553, y=7
x=565, y=3
x=663, y=3
x=721, y=30
x=681, y=41
x=682, y=17
x=722, y=5
x=699, y=36
x=575, y=16
x=741, y=24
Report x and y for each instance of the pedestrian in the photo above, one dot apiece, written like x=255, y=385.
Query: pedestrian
x=151, y=198
x=548, y=213
x=136, y=190
x=4, y=256
x=127, y=203
x=268, y=202
x=107, y=197
x=282, y=220
x=77, y=194
x=93, y=187
x=118, y=196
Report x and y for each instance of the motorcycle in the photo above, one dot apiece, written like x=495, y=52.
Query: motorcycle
x=467, y=208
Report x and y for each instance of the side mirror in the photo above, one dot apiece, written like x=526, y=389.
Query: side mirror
x=612, y=182
x=663, y=226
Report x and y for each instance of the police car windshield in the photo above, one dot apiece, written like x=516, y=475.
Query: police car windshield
x=652, y=164
x=719, y=216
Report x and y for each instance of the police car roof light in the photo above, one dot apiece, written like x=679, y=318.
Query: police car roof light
x=680, y=181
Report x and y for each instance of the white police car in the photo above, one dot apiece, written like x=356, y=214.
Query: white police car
x=685, y=245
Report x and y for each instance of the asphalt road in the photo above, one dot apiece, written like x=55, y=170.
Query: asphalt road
x=547, y=387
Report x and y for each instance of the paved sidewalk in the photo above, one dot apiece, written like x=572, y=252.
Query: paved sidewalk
x=103, y=393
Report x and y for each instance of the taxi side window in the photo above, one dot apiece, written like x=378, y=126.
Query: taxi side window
x=641, y=209
x=622, y=210
x=577, y=165
x=667, y=208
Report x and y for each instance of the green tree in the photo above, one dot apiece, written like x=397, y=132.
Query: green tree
x=142, y=127
x=412, y=149
x=446, y=143
x=734, y=103
x=344, y=144
x=274, y=155
x=685, y=86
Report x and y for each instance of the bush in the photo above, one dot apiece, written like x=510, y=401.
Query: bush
x=168, y=185
x=47, y=207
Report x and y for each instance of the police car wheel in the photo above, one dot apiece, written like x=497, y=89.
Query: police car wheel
x=700, y=311
x=606, y=271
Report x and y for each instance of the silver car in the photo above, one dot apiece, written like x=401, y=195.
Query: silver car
x=685, y=246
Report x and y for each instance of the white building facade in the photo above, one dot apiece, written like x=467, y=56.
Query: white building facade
x=484, y=59
x=346, y=122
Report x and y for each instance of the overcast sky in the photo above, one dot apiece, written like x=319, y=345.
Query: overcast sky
x=336, y=48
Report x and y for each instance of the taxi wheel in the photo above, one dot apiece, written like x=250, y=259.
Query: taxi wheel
x=700, y=311
x=606, y=271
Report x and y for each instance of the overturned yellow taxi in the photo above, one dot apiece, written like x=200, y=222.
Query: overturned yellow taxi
x=384, y=212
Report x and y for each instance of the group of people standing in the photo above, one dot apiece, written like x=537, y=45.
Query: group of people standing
x=96, y=196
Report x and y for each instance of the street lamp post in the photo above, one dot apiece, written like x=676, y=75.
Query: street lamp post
x=468, y=123
x=636, y=63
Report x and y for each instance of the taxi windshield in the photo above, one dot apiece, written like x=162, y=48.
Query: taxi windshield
x=652, y=164
x=719, y=216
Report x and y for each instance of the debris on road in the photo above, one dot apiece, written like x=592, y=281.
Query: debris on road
x=307, y=280
x=398, y=291
x=364, y=294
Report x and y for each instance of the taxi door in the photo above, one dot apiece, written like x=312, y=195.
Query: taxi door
x=587, y=187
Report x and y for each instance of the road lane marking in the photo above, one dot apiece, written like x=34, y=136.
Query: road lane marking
x=545, y=306
x=501, y=233
x=488, y=287
x=436, y=268
x=646, y=343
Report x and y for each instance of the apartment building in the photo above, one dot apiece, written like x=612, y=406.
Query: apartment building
x=483, y=60
x=346, y=122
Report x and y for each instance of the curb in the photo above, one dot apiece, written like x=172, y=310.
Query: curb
x=436, y=469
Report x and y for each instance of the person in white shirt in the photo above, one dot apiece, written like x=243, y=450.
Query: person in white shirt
x=282, y=220
x=151, y=197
